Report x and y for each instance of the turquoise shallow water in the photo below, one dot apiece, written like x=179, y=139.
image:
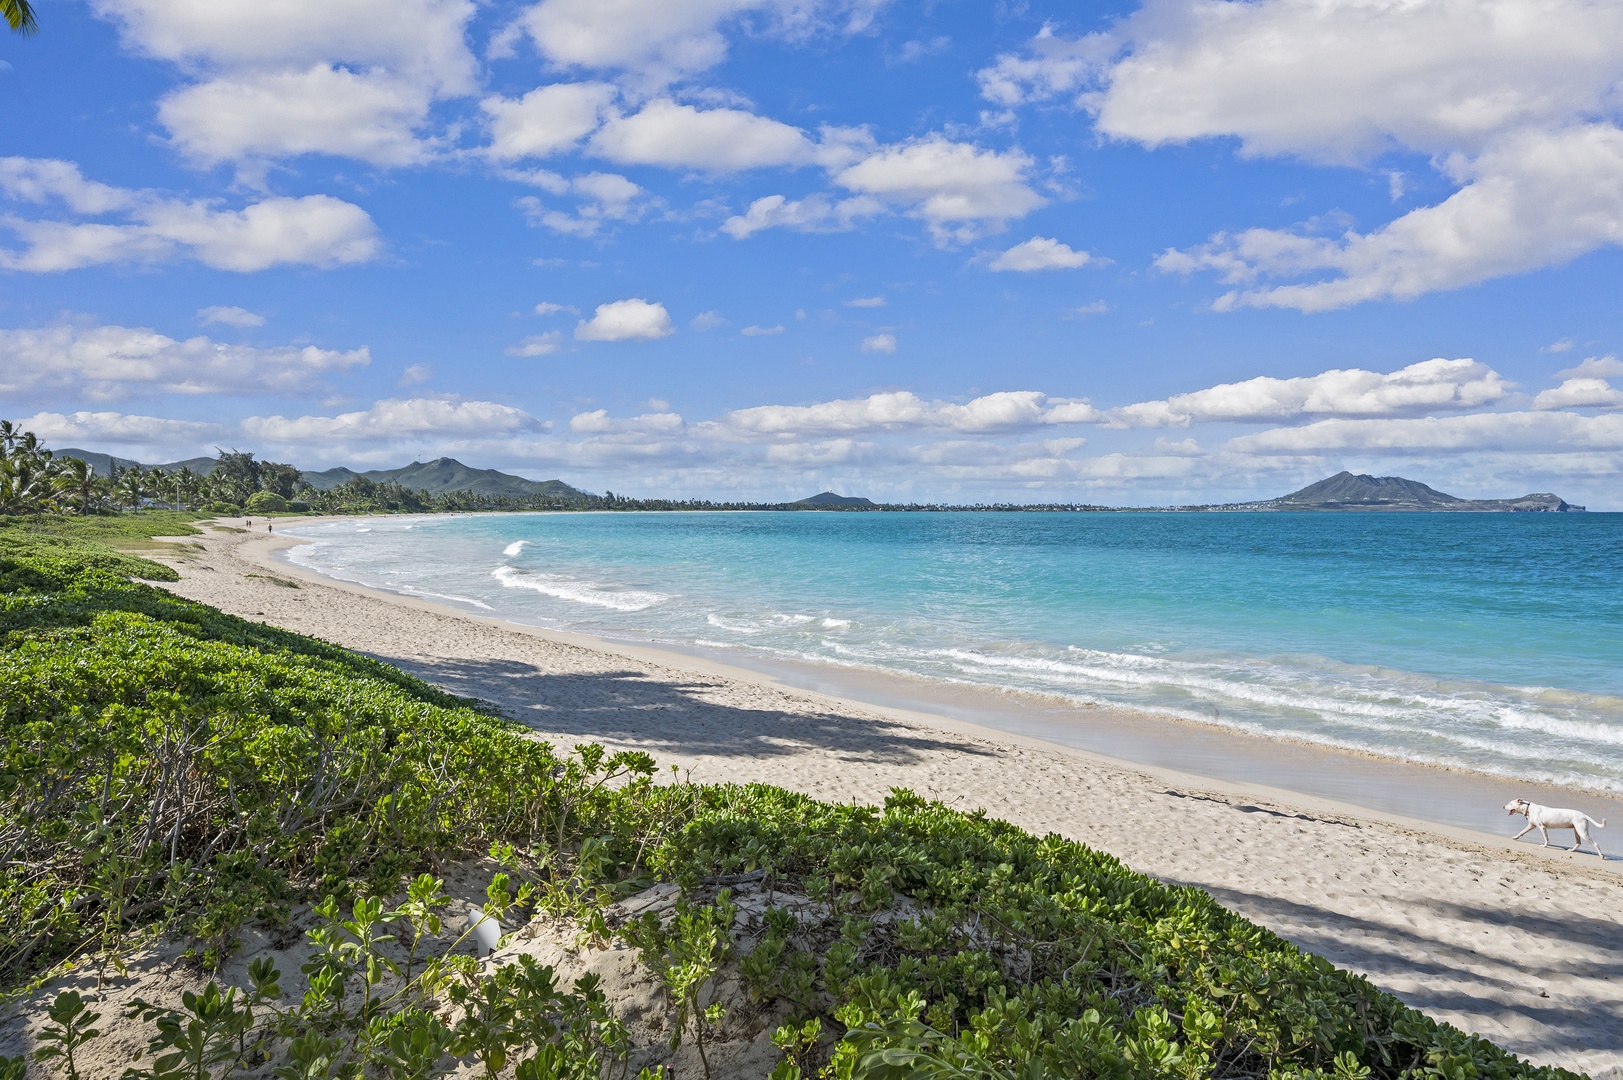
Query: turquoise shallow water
x=1486, y=641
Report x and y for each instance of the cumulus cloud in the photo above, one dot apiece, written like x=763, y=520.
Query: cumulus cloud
x=1580, y=394
x=626, y=320
x=321, y=109
x=548, y=308
x=314, y=230
x=45, y=180
x=538, y=344
x=903, y=410
x=675, y=136
x=654, y=42
x=1514, y=101
x=1594, y=367
x=546, y=121
x=880, y=343
x=1040, y=253
x=1507, y=431
x=229, y=316
x=123, y=429
x=395, y=419
x=708, y=320
x=599, y=422
x=349, y=77
x=603, y=198
x=1534, y=200
x=761, y=331
x=814, y=213
x=961, y=191
x=866, y=302
x=104, y=363
x=1428, y=385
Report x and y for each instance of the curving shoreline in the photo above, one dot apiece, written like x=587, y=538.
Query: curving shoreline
x=1521, y=945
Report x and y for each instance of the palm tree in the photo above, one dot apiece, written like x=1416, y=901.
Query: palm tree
x=79, y=482
x=19, y=15
x=132, y=487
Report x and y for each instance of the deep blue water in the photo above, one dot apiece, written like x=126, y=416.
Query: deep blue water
x=1489, y=641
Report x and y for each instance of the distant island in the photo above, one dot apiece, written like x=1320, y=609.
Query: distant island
x=447, y=484
x=1360, y=491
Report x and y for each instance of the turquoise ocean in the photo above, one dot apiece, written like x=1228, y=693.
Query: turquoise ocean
x=1492, y=642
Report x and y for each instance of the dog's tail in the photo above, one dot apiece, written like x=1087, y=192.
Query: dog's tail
x=1601, y=824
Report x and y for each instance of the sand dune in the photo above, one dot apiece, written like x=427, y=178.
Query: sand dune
x=1520, y=945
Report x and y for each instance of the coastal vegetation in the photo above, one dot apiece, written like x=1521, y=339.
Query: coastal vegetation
x=172, y=773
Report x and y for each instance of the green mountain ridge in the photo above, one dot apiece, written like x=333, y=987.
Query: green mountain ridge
x=434, y=477
x=446, y=474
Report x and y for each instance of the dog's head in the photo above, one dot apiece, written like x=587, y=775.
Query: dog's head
x=1517, y=806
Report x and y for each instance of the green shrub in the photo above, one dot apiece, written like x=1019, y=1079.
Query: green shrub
x=225, y=509
x=265, y=502
x=297, y=506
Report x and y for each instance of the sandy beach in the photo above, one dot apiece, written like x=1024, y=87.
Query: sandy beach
x=1519, y=944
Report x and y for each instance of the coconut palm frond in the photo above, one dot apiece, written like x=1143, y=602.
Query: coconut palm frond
x=19, y=15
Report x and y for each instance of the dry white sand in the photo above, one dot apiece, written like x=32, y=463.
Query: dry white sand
x=1521, y=945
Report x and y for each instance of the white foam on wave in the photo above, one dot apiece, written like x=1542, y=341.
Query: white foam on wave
x=514, y=548
x=580, y=592
x=415, y=591
x=836, y=624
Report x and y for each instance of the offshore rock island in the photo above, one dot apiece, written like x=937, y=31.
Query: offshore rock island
x=1360, y=491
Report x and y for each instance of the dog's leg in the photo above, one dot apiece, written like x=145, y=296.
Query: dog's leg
x=1542, y=831
x=1524, y=832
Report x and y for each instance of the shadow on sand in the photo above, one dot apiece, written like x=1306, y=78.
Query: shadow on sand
x=675, y=716
x=1457, y=979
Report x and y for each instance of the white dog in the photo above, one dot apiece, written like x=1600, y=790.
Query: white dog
x=1544, y=818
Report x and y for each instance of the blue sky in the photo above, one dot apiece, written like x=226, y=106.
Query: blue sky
x=1193, y=250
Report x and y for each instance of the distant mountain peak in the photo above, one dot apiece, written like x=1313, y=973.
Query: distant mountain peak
x=828, y=498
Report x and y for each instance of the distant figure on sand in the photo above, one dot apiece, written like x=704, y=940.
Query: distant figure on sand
x=1544, y=818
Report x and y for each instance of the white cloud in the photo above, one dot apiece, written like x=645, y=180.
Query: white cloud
x=41, y=180
x=1096, y=307
x=599, y=422
x=1510, y=431
x=77, y=428
x=1040, y=253
x=548, y=120
x=655, y=42
x=676, y=136
x=546, y=307
x=902, y=410
x=1580, y=394
x=229, y=316
x=761, y=331
x=866, y=302
x=316, y=230
x=415, y=374
x=1533, y=201
x=348, y=77
x=1594, y=367
x=707, y=320
x=1514, y=101
x=814, y=213
x=395, y=419
x=1428, y=385
x=538, y=344
x=106, y=363
x=880, y=343
x=1564, y=345
x=961, y=191
x=604, y=198
x=318, y=110
x=626, y=320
